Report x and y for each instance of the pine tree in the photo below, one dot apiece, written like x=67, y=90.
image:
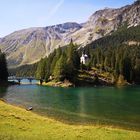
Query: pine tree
x=127, y=68
x=137, y=71
x=73, y=62
x=113, y=60
x=54, y=58
x=3, y=67
x=59, y=70
x=72, y=55
x=40, y=73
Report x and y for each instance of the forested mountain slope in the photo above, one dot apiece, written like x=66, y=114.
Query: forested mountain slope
x=118, y=54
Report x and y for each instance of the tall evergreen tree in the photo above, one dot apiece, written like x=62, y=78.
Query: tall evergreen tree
x=3, y=67
x=56, y=55
x=137, y=70
x=59, y=70
x=40, y=73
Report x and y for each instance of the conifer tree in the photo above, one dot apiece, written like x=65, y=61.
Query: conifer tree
x=3, y=67
x=40, y=73
x=59, y=70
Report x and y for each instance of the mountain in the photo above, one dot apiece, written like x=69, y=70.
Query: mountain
x=30, y=45
x=114, y=55
x=106, y=21
x=123, y=37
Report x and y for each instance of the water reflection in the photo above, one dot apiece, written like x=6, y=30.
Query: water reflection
x=82, y=102
x=3, y=91
x=101, y=104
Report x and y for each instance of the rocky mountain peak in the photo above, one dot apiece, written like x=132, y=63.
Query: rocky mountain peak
x=30, y=45
x=68, y=25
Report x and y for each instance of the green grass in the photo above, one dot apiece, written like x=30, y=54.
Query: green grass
x=19, y=124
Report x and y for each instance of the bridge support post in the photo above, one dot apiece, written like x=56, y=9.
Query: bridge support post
x=41, y=81
x=30, y=80
x=19, y=81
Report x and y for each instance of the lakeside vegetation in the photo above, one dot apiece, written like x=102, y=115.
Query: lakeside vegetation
x=17, y=123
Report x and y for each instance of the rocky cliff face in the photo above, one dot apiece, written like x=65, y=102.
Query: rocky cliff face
x=106, y=21
x=29, y=45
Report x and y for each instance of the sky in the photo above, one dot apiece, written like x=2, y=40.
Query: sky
x=21, y=14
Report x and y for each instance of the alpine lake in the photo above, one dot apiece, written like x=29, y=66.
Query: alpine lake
x=113, y=106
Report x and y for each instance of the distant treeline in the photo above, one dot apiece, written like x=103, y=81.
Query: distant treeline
x=23, y=71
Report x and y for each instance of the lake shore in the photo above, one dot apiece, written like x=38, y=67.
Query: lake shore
x=58, y=84
x=82, y=84
x=17, y=123
x=8, y=83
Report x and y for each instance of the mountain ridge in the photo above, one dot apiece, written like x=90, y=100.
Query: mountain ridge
x=30, y=45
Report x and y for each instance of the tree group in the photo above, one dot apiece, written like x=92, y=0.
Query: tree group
x=118, y=54
x=62, y=64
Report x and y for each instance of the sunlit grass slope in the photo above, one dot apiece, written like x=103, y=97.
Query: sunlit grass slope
x=19, y=124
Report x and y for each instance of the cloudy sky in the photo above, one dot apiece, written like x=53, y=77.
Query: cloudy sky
x=20, y=14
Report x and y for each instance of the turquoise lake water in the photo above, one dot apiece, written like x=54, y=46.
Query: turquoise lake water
x=117, y=106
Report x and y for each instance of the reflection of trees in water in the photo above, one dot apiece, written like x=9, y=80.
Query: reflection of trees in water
x=3, y=91
x=65, y=99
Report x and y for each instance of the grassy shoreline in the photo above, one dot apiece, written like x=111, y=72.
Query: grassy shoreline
x=17, y=123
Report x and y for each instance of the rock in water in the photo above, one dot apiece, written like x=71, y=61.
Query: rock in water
x=29, y=108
